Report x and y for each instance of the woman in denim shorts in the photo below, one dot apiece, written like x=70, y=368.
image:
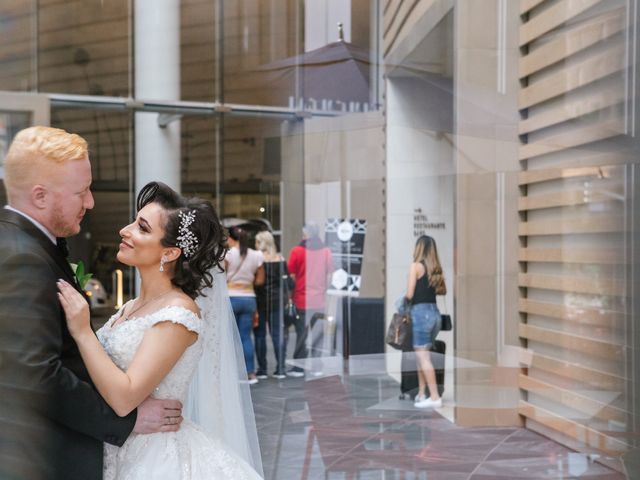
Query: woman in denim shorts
x=426, y=280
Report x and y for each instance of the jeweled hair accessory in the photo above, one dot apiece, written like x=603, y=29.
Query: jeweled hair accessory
x=187, y=240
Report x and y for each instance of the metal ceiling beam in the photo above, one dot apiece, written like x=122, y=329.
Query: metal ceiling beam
x=182, y=107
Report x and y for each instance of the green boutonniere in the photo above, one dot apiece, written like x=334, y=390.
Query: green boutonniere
x=82, y=277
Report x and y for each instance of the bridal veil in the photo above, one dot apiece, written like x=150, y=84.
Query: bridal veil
x=219, y=398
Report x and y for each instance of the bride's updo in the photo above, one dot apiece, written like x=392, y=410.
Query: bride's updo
x=191, y=272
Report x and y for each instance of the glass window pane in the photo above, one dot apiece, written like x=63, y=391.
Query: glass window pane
x=508, y=137
x=200, y=164
x=109, y=135
x=17, y=45
x=10, y=124
x=256, y=35
x=84, y=47
x=198, y=32
x=281, y=54
x=261, y=155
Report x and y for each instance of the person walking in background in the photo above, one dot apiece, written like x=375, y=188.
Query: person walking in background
x=310, y=264
x=426, y=280
x=245, y=270
x=271, y=298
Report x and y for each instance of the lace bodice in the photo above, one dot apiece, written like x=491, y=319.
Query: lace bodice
x=189, y=453
x=122, y=341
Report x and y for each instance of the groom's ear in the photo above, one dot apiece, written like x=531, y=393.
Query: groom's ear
x=39, y=196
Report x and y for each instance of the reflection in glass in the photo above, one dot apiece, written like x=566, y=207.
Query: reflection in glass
x=109, y=135
x=10, y=124
x=199, y=32
x=255, y=34
x=254, y=155
x=17, y=46
x=84, y=47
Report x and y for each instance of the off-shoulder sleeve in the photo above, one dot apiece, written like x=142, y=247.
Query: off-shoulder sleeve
x=176, y=314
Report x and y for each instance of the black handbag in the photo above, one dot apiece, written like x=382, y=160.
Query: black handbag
x=399, y=331
x=446, y=322
x=290, y=312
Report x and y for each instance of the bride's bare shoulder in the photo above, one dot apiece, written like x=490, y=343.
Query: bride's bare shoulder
x=181, y=299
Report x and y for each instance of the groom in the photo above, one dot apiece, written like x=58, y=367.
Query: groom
x=52, y=420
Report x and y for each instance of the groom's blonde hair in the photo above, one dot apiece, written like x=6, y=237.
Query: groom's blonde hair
x=34, y=151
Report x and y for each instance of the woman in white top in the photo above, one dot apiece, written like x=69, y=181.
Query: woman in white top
x=245, y=269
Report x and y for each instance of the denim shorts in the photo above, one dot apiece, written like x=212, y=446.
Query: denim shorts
x=426, y=323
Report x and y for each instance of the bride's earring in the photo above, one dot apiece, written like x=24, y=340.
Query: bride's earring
x=162, y=262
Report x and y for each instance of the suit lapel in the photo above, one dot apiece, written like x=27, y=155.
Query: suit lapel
x=30, y=229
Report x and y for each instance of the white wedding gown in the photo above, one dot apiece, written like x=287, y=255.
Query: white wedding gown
x=188, y=453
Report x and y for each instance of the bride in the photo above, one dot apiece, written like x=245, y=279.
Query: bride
x=176, y=340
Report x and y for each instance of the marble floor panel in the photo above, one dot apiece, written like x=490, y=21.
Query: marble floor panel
x=329, y=424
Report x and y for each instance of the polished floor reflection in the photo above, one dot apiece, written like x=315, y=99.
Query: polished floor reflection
x=355, y=426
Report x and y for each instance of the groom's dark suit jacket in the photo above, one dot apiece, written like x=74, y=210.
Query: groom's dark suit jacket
x=52, y=420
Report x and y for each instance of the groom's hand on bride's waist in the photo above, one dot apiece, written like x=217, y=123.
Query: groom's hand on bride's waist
x=158, y=416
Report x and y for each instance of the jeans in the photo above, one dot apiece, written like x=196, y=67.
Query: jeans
x=260, y=342
x=243, y=309
x=272, y=319
x=426, y=323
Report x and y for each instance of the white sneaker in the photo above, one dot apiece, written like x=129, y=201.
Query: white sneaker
x=419, y=398
x=253, y=381
x=428, y=403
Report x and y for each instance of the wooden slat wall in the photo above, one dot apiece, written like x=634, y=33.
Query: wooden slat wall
x=591, y=33
x=573, y=69
x=552, y=17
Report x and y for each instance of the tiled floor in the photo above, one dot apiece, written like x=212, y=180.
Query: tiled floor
x=435, y=448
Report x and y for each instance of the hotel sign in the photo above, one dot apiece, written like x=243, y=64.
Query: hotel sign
x=422, y=224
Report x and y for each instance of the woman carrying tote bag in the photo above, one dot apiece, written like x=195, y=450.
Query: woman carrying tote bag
x=425, y=281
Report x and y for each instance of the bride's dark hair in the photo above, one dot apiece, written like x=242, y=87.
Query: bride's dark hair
x=191, y=274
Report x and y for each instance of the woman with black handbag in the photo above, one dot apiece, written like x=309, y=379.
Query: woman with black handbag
x=272, y=302
x=426, y=280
